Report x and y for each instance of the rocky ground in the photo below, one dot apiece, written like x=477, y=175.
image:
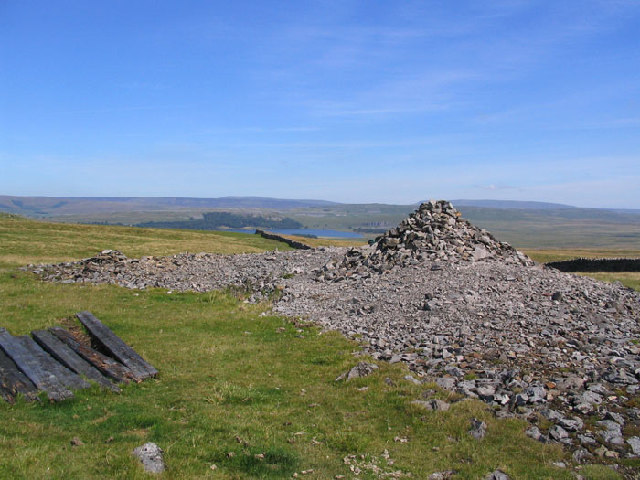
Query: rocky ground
x=455, y=304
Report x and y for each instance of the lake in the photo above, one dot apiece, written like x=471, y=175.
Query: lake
x=304, y=231
x=318, y=232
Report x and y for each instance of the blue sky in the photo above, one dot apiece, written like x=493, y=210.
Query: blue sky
x=353, y=101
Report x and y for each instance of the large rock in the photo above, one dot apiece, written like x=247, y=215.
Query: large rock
x=362, y=369
x=151, y=457
x=634, y=442
x=611, y=432
x=478, y=429
x=497, y=475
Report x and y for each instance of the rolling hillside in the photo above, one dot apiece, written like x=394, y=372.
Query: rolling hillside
x=523, y=224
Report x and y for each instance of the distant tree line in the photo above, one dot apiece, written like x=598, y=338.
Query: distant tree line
x=104, y=222
x=221, y=220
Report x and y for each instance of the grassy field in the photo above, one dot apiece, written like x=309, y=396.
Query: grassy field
x=29, y=241
x=557, y=255
x=629, y=279
x=240, y=394
x=563, y=228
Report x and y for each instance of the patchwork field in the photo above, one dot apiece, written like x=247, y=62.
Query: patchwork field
x=241, y=393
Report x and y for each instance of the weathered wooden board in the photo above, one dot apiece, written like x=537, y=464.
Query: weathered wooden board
x=70, y=359
x=13, y=381
x=107, y=365
x=114, y=345
x=65, y=376
x=46, y=373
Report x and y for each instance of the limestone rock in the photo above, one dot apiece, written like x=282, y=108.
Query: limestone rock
x=634, y=442
x=446, y=475
x=478, y=429
x=612, y=432
x=497, y=475
x=151, y=457
x=435, y=405
x=362, y=369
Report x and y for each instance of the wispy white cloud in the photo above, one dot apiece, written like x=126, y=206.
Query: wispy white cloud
x=628, y=122
x=121, y=109
x=459, y=54
x=498, y=188
x=615, y=192
x=255, y=130
x=417, y=92
x=143, y=85
x=354, y=101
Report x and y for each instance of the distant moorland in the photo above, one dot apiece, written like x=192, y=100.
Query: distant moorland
x=218, y=220
x=523, y=224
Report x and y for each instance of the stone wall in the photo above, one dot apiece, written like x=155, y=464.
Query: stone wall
x=292, y=243
x=597, y=265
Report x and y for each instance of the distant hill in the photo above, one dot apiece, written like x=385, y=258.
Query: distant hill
x=61, y=206
x=222, y=220
x=508, y=204
x=523, y=224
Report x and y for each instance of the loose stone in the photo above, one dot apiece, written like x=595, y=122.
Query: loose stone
x=454, y=303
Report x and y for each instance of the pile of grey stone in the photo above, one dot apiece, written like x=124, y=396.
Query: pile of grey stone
x=437, y=232
x=260, y=274
x=458, y=307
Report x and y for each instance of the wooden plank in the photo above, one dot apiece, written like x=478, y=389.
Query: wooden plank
x=36, y=364
x=114, y=345
x=106, y=365
x=70, y=359
x=49, y=364
x=13, y=382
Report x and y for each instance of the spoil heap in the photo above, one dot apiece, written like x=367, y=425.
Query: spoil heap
x=458, y=307
x=434, y=232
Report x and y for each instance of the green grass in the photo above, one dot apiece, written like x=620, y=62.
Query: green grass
x=523, y=228
x=24, y=241
x=628, y=279
x=253, y=394
x=558, y=255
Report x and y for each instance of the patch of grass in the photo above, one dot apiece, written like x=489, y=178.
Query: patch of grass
x=628, y=279
x=238, y=387
x=25, y=241
x=599, y=472
x=269, y=462
x=558, y=255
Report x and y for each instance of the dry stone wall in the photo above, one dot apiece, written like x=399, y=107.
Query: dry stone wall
x=598, y=265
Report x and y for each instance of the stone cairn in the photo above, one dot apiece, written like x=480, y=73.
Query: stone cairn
x=460, y=308
x=434, y=232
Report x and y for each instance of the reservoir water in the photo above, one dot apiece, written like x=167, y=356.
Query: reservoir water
x=318, y=232
x=305, y=231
